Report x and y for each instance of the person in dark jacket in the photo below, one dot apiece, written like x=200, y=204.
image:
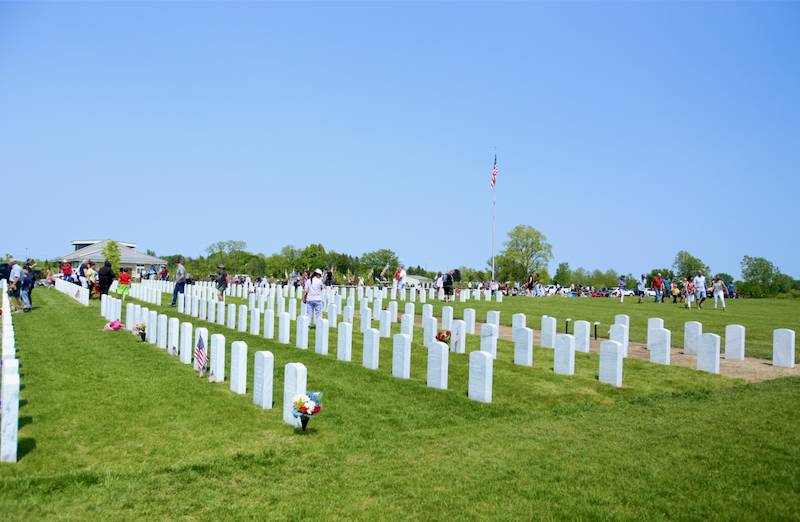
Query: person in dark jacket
x=105, y=276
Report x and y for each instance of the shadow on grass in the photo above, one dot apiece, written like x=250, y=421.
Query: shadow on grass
x=25, y=446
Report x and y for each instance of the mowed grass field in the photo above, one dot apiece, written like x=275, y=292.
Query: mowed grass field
x=759, y=316
x=116, y=429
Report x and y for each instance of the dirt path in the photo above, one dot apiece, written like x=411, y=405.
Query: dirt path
x=751, y=369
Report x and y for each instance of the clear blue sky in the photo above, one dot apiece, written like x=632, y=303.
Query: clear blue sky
x=624, y=131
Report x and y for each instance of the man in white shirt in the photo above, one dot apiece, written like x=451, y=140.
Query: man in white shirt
x=15, y=285
x=700, y=292
x=401, y=282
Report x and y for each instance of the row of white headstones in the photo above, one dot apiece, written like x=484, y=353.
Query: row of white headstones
x=147, y=291
x=74, y=291
x=9, y=385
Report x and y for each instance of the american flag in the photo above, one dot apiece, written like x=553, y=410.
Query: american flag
x=200, y=355
x=493, y=180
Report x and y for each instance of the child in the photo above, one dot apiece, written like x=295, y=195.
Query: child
x=124, y=285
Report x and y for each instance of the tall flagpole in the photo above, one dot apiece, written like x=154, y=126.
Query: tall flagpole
x=494, y=184
x=493, y=219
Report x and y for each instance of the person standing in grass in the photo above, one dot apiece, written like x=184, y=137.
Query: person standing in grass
x=720, y=288
x=27, y=282
x=15, y=285
x=666, y=288
x=180, y=280
x=312, y=296
x=641, y=287
x=124, y=285
x=658, y=286
x=622, y=287
x=105, y=276
x=91, y=277
x=676, y=292
x=690, y=290
x=222, y=282
x=700, y=288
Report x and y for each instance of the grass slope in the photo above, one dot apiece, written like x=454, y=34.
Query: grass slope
x=116, y=429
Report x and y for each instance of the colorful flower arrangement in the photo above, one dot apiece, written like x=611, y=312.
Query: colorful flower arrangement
x=305, y=406
x=443, y=336
x=140, y=329
x=113, y=325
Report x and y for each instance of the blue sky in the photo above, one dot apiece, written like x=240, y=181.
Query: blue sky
x=624, y=131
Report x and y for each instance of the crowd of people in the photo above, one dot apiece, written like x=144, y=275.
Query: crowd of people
x=689, y=291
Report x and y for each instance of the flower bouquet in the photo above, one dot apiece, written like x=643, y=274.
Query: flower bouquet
x=443, y=336
x=113, y=325
x=140, y=329
x=305, y=406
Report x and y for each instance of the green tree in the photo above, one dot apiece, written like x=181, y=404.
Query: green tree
x=759, y=270
x=563, y=275
x=149, y=252
x=111, y=253
x=378, y=259
x=525, y=251
x=686, y=265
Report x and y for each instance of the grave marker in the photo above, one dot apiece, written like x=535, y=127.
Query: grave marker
x=438, y=363
x=564, y=355
x=401, y=356
x=263, y=370
x=692, y=330
x=344, y=347
x=658, y=344
x=239, y=366
x=734, y=342
x=583, y=333
x=480, y=376
x=523, y=346
x=294, y=383
x=371, y=356
x=611, y=356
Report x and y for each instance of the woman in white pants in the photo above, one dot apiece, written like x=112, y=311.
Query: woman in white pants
x=719, y=291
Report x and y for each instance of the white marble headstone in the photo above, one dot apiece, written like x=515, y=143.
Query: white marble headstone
x=480, y=376
x=438, y=363
x=321, y=336
x=239, y=367
x=217, y=360
x=548, y=339
x=294, y=383
x=371, y=356
x=523, y=346
x=458, y=336
x=401, y=356
x=692, y=331
x=611, y=357
x=583, y=336
x=469, y=319
x=783, y=348
x=263, y=370
x=618, y=333
x=489, y=335
x=186, y=343
x=301, y=332
x=708, y=353
x=283, y=328
x=658, y=344
x=734, y=342
x=564, y=355
x=344, y=347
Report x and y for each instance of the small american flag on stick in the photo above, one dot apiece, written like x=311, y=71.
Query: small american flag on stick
x=493, y=180
x=200, y=355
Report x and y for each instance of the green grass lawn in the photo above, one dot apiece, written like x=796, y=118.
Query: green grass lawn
x=112, y=428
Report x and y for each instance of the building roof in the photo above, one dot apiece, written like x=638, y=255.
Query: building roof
x=87, y=242
x=127, y=256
